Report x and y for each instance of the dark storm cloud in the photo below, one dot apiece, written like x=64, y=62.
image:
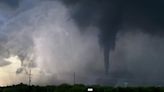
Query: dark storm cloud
x=108, y=13
x=113, y=15
x=12, y=3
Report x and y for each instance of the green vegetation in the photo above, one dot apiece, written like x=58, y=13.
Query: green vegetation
x=77, y=88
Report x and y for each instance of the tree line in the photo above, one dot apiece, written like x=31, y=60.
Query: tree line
x=77, y=88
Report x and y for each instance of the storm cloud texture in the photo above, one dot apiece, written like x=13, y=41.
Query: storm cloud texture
x=61, y=37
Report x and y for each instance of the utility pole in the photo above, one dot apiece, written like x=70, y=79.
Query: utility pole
x=29, y=72
x=29, y=76
x=74, y=78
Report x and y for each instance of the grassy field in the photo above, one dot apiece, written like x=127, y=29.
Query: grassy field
x=77, y=88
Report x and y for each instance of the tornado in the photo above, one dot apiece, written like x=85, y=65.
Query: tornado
x=106, y=15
